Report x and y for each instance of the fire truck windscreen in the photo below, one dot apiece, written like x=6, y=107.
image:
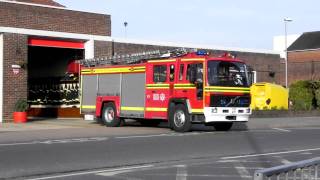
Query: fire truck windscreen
x=223, y=73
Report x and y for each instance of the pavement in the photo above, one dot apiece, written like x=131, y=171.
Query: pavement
x=46, y=124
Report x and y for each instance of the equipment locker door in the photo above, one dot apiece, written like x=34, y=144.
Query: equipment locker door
x=159, y=88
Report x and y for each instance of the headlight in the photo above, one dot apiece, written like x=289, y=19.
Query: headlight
x=248, y=110
x=214, y=110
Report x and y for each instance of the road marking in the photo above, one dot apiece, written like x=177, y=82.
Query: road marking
x=95, y=172
x=268, y=154
x=182, y=173
x=123, y=170
x=143, y=136
x=245, y=161
x=59, y=141
x=220, y=176
x=306, y=153
x=243, y=172
x=280, y=129
x=164, y=135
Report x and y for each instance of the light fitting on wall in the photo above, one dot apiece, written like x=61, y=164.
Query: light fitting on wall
x=16, y=68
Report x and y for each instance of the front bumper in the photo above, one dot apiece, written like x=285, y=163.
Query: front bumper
x=226, y=114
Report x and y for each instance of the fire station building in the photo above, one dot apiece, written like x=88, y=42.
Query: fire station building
x=40, y=39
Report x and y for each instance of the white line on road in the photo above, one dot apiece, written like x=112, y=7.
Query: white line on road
x=123, y=170
x=197, y=176
x=58, y=141
x=164, y=135
x=142, y=136
x=182, y=173
x=268, y=154
x=95, y=172
x=243, y=172
x=280, y=129
x=244, y=161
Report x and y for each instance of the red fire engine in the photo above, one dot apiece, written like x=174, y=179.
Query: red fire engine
x=183, y=89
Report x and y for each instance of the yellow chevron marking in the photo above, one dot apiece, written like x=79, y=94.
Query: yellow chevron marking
x=226, y=88
x=132, y=108
x=159, y=61
x=156, y=109
x=197, y=110
x=157, y=86
x=192, y=59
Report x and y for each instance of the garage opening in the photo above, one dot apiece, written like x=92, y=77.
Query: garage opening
x=53, y=77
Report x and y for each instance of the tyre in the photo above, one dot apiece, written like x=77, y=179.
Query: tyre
x=181, y=121
x=109, y=115
x=223, y=126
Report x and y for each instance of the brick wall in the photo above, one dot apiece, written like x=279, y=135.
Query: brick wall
x=304, y=56
x=102, y=49
x=51, y=19
x=265, y=65
x=303, y=65
x=15, y=86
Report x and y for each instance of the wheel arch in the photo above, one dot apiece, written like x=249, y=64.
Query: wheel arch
x=101, y=101
x=175, y=101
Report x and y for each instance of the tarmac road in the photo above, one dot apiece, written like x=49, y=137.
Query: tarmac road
x=135, y=152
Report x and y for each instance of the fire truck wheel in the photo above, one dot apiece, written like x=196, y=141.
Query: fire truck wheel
x=181, y=119
x=109, y=115
x=222, y=126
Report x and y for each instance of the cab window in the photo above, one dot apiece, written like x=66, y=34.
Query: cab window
x=172, y=71
x=159, y=73
x=195, y=72
x=181, y=72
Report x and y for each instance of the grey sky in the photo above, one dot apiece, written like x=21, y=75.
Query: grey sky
x=229, y=23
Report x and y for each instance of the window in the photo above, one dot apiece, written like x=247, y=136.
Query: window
x=231, y=74
x=181, y=72
x=189, y=72
x=172, y=69
x=194, y=72
x=159, y=73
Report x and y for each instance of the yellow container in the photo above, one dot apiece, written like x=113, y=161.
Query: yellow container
x=269, y=96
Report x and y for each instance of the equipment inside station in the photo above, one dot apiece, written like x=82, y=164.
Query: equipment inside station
x=53, y=81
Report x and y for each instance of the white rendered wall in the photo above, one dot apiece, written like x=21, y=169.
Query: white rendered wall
x=279, y=43
x=89, y=49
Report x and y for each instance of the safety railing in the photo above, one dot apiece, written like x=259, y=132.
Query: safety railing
x=302, y=170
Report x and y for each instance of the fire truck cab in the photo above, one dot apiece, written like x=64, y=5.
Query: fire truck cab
x=186, y=89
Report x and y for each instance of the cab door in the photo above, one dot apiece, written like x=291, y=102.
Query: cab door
x=159, y=88
x=190, y=85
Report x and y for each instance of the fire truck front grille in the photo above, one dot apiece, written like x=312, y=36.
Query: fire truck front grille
x=230, y=101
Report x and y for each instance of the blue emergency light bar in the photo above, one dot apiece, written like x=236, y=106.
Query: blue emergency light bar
x=202, y=53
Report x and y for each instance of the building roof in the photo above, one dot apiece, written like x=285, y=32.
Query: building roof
x=41, y=2
x=307, y=41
